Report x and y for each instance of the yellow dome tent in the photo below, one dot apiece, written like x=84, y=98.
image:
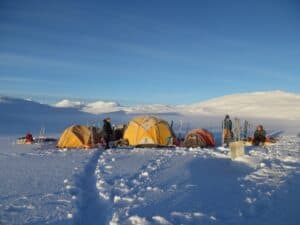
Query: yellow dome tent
x=78, y=136
x=148, y=130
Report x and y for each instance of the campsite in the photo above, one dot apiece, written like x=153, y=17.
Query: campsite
x=161, y=112
x=165, y=173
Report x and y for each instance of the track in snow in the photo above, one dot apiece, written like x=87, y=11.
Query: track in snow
x=90, y=209
x=125, y=186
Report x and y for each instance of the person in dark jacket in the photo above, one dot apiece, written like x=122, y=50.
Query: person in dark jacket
x=227, y=130
x=107, y=132
x=259, y=135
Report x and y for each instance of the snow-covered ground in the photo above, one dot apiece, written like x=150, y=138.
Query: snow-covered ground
x=36, y=182
x=43, y=185
x=40, y=184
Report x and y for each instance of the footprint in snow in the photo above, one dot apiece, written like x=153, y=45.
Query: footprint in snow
x=108, y=167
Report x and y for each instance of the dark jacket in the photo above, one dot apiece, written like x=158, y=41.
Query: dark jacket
x=259, y=134
x=227, y=124
x=107, y=129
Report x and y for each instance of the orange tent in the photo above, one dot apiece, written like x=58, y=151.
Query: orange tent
x=199, y=138
x=79, y=136
x=149, y=131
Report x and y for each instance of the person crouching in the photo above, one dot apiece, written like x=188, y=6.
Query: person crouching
x=259, y=136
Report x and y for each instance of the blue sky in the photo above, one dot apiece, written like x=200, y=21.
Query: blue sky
x=137, y=52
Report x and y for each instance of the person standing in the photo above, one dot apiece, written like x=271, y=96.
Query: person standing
x=227, y=130
x=107, y=132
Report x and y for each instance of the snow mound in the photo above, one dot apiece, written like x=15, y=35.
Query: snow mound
x=154, y=108
x=136, y=220
x=96, y=108
x=68, y=104
x=161, y=220
x=258, y=104
x=101, y=107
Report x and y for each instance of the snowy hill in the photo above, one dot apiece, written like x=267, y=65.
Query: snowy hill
x=69, y=104
x=283, y=105
x=20, y=116
x=273, y=104
x=99, y=107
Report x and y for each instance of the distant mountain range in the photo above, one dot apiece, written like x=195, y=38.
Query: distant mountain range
x=272, y=104
x=19, y=115
x=100, y=107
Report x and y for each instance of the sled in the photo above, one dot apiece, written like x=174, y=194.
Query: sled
x=39, y=140
x=23, y=141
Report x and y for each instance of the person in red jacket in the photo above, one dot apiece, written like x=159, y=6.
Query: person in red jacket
x=28, y=138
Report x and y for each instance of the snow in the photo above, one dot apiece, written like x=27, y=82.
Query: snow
x=101, y=107
x=136, y=220
x=149, y=186
x=284, y=105
x=20, y=116
x=68, y=104
x=200, y=186
x=152, y=108
x=160, y=220
x=258, y=104
x=44, y=185
x=95, y=108
x=36, y=186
